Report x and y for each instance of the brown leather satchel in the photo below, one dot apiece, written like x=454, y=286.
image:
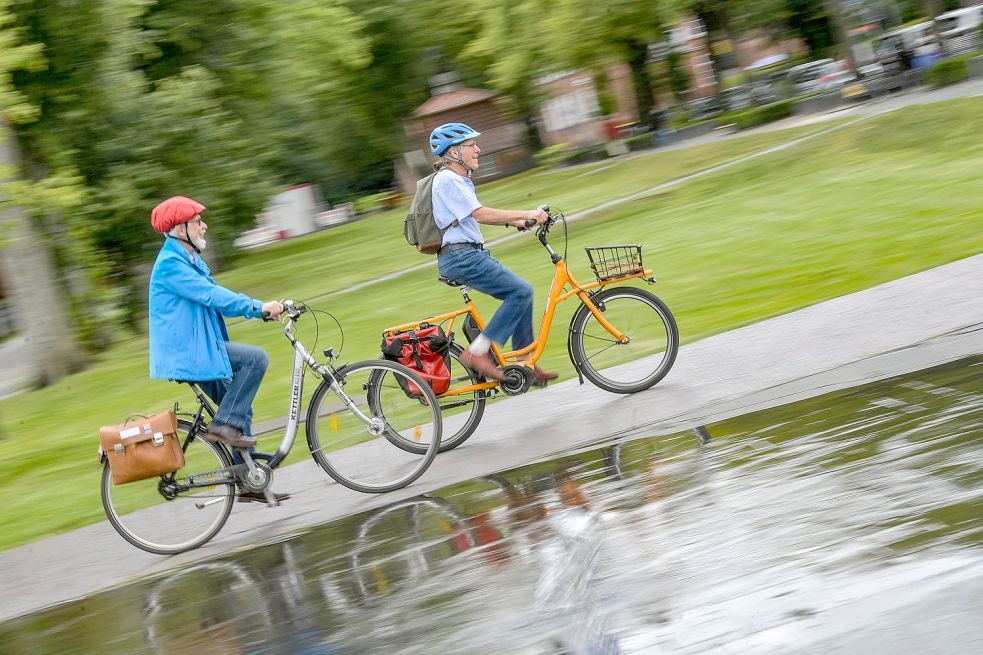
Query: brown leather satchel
x=141, y=449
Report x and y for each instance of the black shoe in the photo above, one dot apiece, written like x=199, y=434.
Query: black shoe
x=259, y=497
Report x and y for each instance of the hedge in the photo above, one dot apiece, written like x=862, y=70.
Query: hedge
x=745, y=118
x=948, y=71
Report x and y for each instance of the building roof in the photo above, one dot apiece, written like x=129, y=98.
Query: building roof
x=452, y=100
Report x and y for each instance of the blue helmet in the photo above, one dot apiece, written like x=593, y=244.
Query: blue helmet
x=450, y=134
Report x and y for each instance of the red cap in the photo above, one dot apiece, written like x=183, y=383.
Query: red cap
x=174, y=211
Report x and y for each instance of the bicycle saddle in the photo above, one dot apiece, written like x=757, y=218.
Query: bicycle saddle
x=450, y=281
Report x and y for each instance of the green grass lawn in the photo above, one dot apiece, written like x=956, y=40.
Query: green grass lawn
x=844, y=211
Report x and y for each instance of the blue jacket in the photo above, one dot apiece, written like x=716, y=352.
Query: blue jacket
x=187, y=332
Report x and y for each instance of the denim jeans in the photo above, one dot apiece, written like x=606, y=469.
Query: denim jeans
x=482, y=272
x=235, y=397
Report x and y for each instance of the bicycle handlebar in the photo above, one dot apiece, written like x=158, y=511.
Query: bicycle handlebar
x=292, y=308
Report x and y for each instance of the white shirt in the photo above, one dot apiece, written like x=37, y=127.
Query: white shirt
x=455, y=199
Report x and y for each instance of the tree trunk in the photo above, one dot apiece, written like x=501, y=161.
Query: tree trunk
x=835, y=10
x=641, y=82
x=40, y=305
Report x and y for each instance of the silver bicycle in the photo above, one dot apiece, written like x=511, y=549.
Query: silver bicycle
x=354, y=417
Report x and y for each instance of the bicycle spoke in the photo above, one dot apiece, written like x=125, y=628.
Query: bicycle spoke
x=601, y=351
x=174, y=513
x=611, y=340
x=631, y=366
x=372, y=458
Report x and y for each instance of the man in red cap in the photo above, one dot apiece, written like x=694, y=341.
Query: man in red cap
x=188, y=337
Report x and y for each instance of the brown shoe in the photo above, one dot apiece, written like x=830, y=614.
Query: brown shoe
x=228, y=435
x=481, y=364
x=542, y=376
x=259, y=497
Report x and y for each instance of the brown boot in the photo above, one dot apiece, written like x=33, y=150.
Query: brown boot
x=481, y=364
x=228, y=435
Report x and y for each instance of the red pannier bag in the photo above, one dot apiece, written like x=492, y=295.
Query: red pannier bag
x=426, y=350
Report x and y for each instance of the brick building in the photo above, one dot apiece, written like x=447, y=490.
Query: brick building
x=572, y=114
x=504, y=141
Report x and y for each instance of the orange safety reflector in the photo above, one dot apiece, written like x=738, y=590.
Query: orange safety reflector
x=334, y=422
x=381, y=583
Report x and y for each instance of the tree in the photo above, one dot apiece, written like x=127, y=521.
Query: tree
x=677, y=75
x=811, y=22
x=837, y=24
x=511, y=70
x=585, y=33
x=40, y=306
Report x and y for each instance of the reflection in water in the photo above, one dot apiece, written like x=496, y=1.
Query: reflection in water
x=848, y=523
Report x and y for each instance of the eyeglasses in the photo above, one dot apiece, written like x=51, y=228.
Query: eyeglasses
x=469, y=145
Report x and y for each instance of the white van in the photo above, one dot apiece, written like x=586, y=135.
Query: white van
x=918, y=40
x=959, y=30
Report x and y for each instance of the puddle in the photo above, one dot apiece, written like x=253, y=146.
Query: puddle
x=852, y=522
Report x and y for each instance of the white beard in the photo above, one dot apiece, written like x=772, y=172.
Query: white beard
x=199, y=243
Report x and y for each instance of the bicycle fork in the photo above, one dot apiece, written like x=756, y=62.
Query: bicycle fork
x=595, y=306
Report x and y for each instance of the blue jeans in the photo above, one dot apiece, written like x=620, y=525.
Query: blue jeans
x=482, y=272
x=235, y=397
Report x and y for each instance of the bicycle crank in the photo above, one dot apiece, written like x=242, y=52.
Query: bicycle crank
x=257, y=478
x=518, y=379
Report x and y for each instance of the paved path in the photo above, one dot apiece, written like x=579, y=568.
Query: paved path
x=921, y=320
x=14, y=369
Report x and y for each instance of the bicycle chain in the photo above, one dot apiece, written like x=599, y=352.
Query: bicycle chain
x=236, y=470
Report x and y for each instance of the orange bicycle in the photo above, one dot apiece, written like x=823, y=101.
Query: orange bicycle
x=623, y=339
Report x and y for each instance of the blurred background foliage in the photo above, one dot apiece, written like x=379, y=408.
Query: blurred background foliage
x=109, y=106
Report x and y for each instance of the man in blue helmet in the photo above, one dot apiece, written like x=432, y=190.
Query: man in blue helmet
x=462, y=255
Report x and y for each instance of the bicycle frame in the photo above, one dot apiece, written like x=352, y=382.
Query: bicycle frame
x=562, y=278
x=302, y=358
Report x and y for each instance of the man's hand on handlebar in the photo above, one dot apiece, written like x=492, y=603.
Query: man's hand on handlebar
x=272, y=310
x=532, y=219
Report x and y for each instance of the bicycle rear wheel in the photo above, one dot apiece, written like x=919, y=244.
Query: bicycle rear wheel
x=461, y=413
x=625, y=367
x=401, y=406
x=161, y=515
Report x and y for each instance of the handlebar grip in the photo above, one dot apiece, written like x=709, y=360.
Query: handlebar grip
x=267, y=318
x=530, y=222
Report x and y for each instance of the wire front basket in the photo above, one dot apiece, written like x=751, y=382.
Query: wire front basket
x=609, y=262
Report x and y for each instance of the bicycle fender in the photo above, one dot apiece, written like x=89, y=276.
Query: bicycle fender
x=573, y=319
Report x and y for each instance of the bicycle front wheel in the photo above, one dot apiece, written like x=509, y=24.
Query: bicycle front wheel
x=166, y=514
x=355, y=444
x=653, y=340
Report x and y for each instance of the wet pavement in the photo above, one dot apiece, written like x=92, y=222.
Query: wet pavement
x=848, y=522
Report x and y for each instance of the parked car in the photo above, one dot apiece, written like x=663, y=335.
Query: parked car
x=703, y=107
x=802, y=78
x=736, y=97
x=819, y=75
x=834, y=76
